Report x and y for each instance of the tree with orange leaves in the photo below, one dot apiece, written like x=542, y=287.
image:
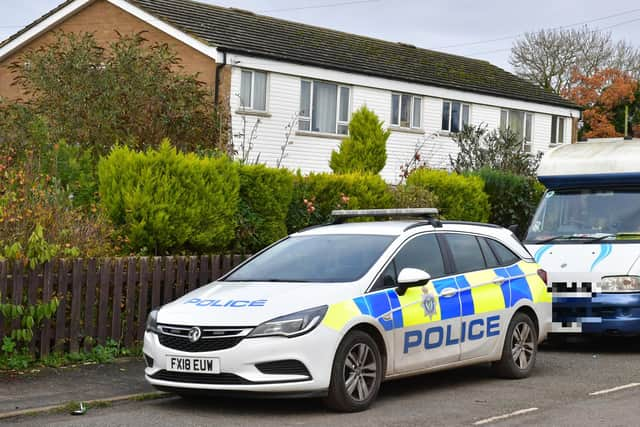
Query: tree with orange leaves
x=601, y=94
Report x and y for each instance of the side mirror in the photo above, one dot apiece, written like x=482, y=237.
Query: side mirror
x=410, y=277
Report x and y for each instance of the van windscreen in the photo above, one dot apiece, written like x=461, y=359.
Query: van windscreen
x=588, y=214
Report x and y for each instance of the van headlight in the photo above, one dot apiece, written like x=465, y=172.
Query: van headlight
x=619, y=284
x=291, y=325
x=152, y=322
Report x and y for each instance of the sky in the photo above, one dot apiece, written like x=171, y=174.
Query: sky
x=483, y=29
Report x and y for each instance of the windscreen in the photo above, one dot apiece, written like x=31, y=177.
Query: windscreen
x=318, y=258
x=586, y=214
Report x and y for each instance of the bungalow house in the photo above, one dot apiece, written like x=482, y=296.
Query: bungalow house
x=273, y=73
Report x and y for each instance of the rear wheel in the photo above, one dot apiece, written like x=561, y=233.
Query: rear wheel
x=356, y=374
x=520, y=349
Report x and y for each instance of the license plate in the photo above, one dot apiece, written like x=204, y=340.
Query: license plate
x=201, y=365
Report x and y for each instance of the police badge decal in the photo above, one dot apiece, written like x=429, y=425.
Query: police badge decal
x=428, y=303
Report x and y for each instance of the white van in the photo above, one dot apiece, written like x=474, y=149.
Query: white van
x=586, y=235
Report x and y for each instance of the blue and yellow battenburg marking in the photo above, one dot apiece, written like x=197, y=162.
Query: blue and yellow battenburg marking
x=521, y=282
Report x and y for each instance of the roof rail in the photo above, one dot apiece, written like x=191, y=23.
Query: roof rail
x=341, y=215
x=481, y=224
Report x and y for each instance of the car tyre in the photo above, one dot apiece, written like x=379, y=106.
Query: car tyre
x=356, y=374
x=520, y=349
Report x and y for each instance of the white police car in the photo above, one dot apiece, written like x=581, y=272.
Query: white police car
x=334, y=310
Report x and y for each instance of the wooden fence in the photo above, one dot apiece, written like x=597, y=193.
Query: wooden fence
x=103, y=298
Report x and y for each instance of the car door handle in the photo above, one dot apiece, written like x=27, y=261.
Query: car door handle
x=498, y=280
x=448, y=292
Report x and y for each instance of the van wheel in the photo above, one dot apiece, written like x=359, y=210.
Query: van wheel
x=520, y=349
x=356, y=373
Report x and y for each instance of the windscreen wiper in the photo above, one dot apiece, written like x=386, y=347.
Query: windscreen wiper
x=569, y=237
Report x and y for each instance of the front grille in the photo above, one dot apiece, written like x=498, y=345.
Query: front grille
x=202, y=345
x=188, y=377
x=571, y=286
x=283, y=367
x=211, y=338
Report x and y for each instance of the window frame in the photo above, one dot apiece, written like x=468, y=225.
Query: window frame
x=527, y=145
x=309, y=119
x=558, y=124
x=460, y=115
x=252, y=90
x=444, y=253
x=412, y=104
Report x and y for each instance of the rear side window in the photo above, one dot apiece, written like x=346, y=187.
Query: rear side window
x=467, y=255
x=489, y=256
x=504, y=254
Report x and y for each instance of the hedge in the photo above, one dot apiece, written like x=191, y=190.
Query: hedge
x=513, y=198
x=265, y=196
x=316, y=195
x=168, y=202
x=459, y=197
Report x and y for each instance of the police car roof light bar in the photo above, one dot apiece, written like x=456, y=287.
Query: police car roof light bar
x=427, y=213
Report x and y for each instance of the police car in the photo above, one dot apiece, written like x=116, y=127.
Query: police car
x=334, y=310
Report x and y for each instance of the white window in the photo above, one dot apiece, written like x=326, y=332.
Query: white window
x=406, y=110
x=253, y=90
x=455, y=116
x=519, y=122
x=557, y=129
x=324, y=107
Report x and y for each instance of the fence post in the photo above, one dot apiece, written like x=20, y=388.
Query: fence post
x=116, y=322
x=47, y=289
x=76, y=298
x=90, y=302
x=130, y=302
x=61, y=320
x=103, y=306
x=142, y=300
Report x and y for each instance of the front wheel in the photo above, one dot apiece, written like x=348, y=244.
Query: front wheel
x=356, y=373
x=520, y=349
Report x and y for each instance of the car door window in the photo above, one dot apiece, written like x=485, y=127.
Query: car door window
x=489, y=256
x=467, y=255
x=504, y=254
x=422, y=252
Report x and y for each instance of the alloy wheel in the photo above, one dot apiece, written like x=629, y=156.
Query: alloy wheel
x=522, y=345
x=360, y=370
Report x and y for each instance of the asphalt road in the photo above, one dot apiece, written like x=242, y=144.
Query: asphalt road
x=557, y=394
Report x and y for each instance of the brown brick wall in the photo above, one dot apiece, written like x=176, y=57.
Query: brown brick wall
x=103, y=19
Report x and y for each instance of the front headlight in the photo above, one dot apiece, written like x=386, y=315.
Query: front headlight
x=619, y=284
x=291, y=325
x=152, y=322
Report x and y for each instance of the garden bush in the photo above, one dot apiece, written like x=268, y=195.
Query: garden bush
x=38, y=220
x=411, y=196
x=365, y=149
x=265, y=196
x=166, y=201
x=459, y=197
x=513, y=198
x=316, y=195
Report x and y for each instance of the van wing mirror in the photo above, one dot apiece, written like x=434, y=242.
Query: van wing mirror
x=410, y=277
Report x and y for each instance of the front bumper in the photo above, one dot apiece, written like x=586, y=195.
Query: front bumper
x=601, y=314
x=238, y=371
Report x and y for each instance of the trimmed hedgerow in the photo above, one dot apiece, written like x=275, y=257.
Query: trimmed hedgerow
x=513, y=198
x=459, y=197
x=316, y=195
x=265, y=196
x=165, y=201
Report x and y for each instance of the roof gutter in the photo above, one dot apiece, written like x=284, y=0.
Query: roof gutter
x=216, y=84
